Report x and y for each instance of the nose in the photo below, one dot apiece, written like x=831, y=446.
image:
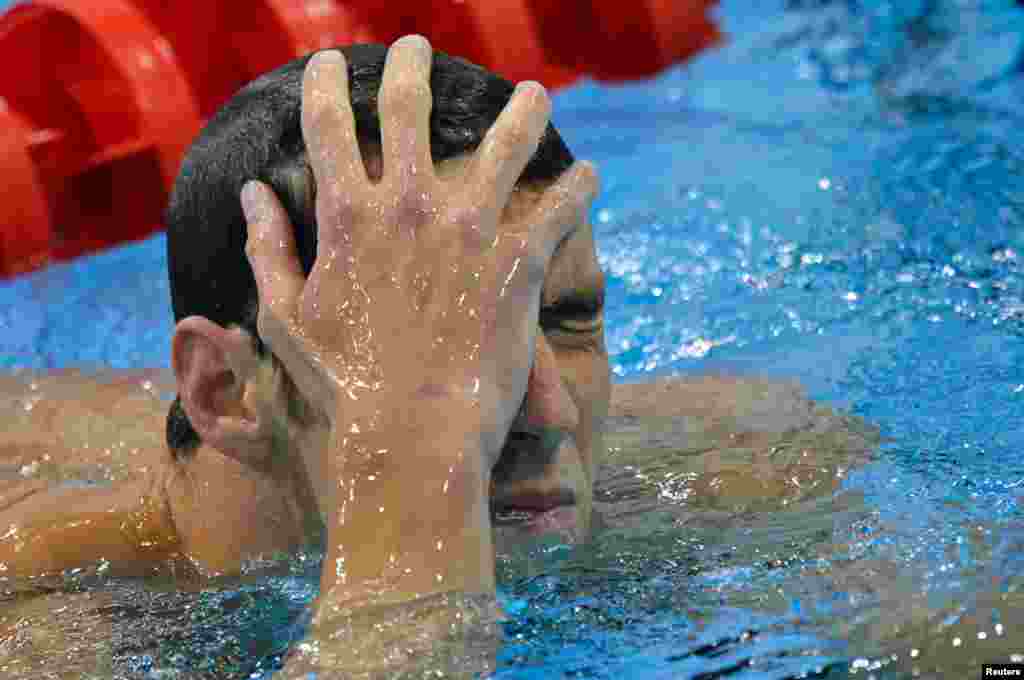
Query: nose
x=548, y=408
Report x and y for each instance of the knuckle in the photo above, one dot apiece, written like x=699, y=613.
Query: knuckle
x=465, y=216
x=402, y=88
x=340, y=203
x=411, y=207
x=473, y=240
x=467, y=221
x=511, y=138
x=319, y=110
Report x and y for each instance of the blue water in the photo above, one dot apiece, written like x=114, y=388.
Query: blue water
x=835, y=196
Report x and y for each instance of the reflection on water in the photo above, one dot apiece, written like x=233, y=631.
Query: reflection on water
x=104, y=628
x=735, y=486
x=70, y=411
x=834, y=198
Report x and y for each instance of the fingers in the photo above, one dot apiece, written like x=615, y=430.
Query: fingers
x=563, y=207
x=270, y=248
x=328, y=126
x=404, y=106
x=510, y=144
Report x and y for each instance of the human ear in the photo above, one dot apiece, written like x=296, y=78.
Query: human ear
x=213, y=366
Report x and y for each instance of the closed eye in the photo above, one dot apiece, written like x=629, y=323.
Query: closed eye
x=575, y=313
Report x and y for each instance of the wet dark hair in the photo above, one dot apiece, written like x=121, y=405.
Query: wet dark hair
x=258, y=134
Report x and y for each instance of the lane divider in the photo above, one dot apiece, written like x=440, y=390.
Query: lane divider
x=100, y=99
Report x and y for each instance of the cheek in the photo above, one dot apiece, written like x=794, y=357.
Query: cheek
x=587, y=377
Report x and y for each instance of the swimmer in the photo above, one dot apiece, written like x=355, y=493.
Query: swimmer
x=395, y=350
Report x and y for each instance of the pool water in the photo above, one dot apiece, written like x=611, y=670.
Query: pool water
x=835, y=197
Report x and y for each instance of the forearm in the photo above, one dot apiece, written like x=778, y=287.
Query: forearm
x=408, y=576
x=409, y=515
x=61, y=529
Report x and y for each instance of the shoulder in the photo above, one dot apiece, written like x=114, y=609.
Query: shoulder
x=738, y=441
x=707, y=411
x=747, y=402
x=733, y=404
x=73, y=424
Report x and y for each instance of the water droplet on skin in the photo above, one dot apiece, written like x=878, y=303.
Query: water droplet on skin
x=515, y=267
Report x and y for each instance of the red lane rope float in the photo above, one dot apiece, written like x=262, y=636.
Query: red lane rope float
x=102, y=97
x=615, y=41
x=221, y=46
x=24, y=212
x=499, y=34
x=102, y=109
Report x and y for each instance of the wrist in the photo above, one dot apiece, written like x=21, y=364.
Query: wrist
x=408, y=513
x=408, y=440
x=456, y=632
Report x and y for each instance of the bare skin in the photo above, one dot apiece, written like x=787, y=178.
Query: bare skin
x=525, y=433
x=708, y=418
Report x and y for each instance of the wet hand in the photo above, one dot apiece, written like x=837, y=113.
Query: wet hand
x=419, y=291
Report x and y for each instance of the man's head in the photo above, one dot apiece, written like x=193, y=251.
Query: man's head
x=258, y=135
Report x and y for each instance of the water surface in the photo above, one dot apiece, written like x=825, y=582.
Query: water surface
x=834, y=197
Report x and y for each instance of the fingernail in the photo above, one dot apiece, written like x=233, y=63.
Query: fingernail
x=327, y=57
x=528, y=85
x=415, y=40
x=252, y=202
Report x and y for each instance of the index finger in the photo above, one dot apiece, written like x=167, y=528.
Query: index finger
x=328, y=124
x=270, y=248
x=563, y=206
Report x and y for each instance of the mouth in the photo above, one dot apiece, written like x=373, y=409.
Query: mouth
x=560, y=518
x=536, y=512
x=523, y=497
